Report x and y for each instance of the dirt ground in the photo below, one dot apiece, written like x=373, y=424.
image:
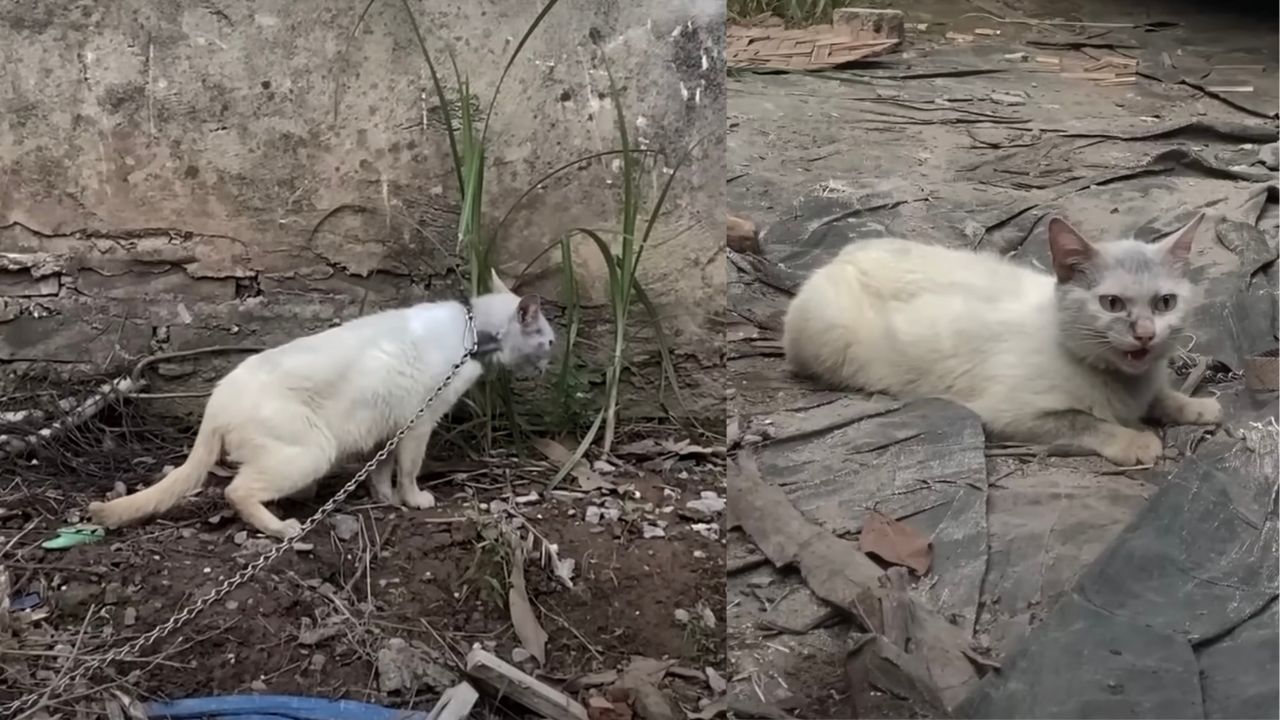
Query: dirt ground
x=966, y=140
x=332, y=618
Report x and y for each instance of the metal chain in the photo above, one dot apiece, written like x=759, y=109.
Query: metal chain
x=12, y=709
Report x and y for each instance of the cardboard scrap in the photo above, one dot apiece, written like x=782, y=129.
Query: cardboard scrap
x=764, y=43
x=895, y=543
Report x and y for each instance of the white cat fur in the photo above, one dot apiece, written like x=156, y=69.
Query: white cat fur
x=1032, y=354
x=288, y=414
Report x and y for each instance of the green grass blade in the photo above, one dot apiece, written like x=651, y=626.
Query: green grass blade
x=440, y=95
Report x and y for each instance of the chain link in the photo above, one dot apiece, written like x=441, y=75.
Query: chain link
x=29, y=702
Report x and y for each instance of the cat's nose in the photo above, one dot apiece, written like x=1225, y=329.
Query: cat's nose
x=1144, y=331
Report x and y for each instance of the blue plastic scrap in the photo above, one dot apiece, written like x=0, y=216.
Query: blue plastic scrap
x=274, y=707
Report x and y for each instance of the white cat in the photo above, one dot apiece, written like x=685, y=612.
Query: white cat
x=1078, y=357
x=288, y=414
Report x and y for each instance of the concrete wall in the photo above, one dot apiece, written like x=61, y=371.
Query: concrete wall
x=176, y=175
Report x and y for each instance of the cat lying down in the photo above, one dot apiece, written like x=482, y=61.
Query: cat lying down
x=285, y=416
x=1074, y=358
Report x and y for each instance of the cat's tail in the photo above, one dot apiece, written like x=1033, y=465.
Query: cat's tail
x=184, y=479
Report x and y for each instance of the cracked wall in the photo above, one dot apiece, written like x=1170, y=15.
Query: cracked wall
x=234, y=172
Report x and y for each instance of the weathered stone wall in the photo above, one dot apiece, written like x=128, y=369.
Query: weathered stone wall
x=176, y=175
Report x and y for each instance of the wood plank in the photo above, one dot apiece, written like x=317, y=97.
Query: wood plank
x=513, y=683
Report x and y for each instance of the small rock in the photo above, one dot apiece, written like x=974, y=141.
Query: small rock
x=593, y=515
x=240, y=537
x=118, y=490
x=112, y=593
x=258, y=686
x=521, y=656
x=650, y=703
x=1006, y=99
x=652, y=531
x=682, y=616
x=130, y=616
x=303, y=546
x=710, y=531
x=319, y=659
x=709, y=503
x=529, y=499
x=699, y=555
x=256, y=546
x=187, y=532
x=232, y=605
x=407, y=666
x=344, y=526
x=602, y=467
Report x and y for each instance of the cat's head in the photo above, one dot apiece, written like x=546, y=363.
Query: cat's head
x=1122, y=304
x=526, y=339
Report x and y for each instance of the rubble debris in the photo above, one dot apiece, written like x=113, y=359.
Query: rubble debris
x=505, y=680
x=407, y=667
x=708, y=502
x=870, y=23
x=344, y=526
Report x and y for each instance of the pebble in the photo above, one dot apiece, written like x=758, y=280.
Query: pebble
x=344, y=526
x=652, y=531
x=240, y=537
x=682, y=616
x=258, y=686
x=303, y=546
x=317, y=661
x=521, y=656
x=130, y=616
x=708, y=502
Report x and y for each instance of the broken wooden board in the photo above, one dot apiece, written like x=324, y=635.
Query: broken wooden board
x=768, y=45
x=514, y=684
x=840, y=574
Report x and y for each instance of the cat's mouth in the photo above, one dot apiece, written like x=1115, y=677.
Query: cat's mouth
x=1137, y=356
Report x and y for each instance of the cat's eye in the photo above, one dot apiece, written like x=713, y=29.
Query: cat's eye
x=1111, y=303
x=1165, y=303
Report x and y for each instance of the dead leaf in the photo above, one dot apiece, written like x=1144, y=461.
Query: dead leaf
x=590, y=680
x=602, y=708
x=530, y=632
x=716, y=681
x=588, y=479
x=895, y=543
x=714, y=708
x=644, y=671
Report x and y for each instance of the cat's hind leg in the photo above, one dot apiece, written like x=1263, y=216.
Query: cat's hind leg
x=380, y=483
x=275, y=472
x=410, y=453
x=1121, y=445
x=1173, y=408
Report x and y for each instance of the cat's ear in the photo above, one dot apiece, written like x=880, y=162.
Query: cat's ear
x=495, y=282
x=528, y=310
x=1069, y=250
x=1177, y=247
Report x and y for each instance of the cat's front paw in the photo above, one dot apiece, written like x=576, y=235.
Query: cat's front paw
x=1132, y=447
x=284, y=530
x=1200, y=411
x=419, y=499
